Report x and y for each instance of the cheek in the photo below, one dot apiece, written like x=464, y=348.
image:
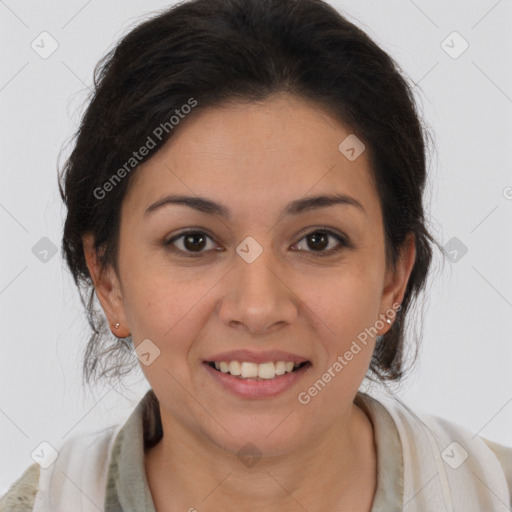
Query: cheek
x=166, y=308
x=346, y=301
x=344, y=310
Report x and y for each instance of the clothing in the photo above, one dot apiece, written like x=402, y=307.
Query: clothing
x=421, y=459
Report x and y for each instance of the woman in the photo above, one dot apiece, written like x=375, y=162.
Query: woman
x=245, y=200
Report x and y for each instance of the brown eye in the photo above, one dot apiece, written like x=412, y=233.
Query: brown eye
x=190, y=242
x=194, y=241
x=319, y=240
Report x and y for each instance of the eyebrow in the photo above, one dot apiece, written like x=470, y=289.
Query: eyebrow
x=296, y=207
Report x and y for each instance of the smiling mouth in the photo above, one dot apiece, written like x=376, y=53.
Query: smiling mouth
x=255, y=372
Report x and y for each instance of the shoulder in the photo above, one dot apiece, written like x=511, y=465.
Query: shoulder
x=474, y=445
x=85, y=457
x=83, y=462
x=447, y=465
x=21, y=495
x=504, y=455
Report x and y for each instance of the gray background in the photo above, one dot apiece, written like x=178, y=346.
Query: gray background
x=464, y=369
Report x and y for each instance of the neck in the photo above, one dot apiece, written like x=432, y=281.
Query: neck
x=188, y=472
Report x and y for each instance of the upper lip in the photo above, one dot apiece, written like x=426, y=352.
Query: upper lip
x=251, y=356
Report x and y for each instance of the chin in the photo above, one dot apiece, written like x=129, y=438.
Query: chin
x=260, y=436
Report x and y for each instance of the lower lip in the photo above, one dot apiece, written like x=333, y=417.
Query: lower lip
x=257, y=388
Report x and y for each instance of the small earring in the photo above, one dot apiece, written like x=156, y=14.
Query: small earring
x=388, y=320
x=116, y=325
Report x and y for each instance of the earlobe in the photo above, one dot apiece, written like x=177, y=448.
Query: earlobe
x=107, y=288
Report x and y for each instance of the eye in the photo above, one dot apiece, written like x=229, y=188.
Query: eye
x=195, y=243
x=318, y=241
x=189, y=242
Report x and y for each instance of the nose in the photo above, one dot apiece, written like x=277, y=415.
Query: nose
x=258, y=298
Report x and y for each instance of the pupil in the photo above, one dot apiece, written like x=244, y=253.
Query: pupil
x=319, y=240
x=192, y=245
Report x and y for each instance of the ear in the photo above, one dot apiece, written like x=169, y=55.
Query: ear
x=108, y=289
x=396, y=279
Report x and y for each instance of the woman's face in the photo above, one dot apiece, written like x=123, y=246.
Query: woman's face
x=265, y=277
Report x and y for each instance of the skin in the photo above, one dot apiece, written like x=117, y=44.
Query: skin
x=254, y=159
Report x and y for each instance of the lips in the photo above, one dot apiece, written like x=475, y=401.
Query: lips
x=253, y=374
x=256, y=387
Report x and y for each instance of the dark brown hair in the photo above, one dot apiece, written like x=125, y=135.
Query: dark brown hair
x=222, y=50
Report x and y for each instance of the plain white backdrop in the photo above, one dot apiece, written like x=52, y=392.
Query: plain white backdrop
x=464, y=369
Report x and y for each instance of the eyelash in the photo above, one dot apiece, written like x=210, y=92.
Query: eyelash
x=343, y=242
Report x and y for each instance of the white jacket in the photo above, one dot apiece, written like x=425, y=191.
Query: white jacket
x=445, y=467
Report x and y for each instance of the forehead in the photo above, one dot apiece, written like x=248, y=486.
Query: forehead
x=283, y=146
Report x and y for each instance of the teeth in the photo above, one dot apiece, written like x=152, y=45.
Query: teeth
x=234, y=368
x=248, y=370
x=266, y=371
x=280, y=368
